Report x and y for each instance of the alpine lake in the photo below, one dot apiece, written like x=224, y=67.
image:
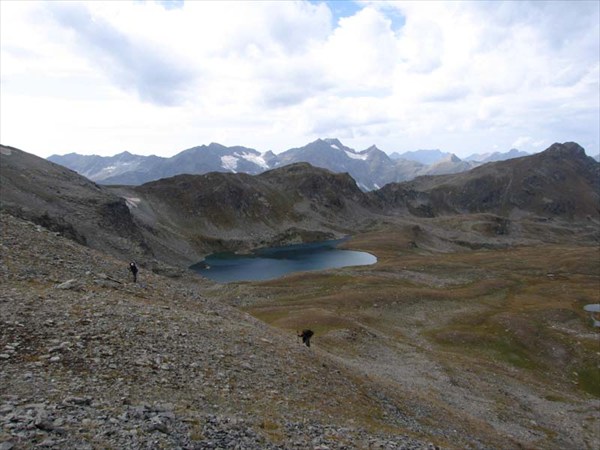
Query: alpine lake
x=274, y=262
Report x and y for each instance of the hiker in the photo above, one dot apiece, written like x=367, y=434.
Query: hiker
x=306, y=335
x=134, y=270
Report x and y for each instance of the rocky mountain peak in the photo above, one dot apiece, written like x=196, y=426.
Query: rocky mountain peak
x=567, y=149
x=334, y=141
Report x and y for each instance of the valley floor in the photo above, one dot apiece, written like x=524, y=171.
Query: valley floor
x=493, y=340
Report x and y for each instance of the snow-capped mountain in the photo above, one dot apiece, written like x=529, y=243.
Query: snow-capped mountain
x=371, y=168
x=100, y=168
x=135, y=169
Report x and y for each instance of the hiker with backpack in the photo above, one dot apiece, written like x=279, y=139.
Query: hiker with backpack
x=134, y=270
x=306, y=335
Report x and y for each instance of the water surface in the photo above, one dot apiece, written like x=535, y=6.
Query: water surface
x=274, y=262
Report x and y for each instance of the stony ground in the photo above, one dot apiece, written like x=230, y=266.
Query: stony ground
x=88, y=359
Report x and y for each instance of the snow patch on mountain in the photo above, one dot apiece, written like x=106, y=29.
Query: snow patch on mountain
x=229, y=162
x=256, y=159
x=132, y=202
x=356, y=155
x=111, y=170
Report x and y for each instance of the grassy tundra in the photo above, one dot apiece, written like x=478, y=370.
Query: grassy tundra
x=494, y=338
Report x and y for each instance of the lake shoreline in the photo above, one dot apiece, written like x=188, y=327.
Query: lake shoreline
x=269, y=263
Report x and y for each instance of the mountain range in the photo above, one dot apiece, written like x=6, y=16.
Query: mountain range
x=293, y=203
x=371, y=168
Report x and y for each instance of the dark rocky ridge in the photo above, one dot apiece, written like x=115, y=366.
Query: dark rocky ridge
x=560, y=182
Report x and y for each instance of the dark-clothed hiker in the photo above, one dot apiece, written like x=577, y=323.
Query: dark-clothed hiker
x=306, y=335
x=134, y=270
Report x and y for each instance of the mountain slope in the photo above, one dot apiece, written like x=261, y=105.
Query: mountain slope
x=473, y=349
x=182, y=218
x=101, y=168
x=199, y=160
x=559, y=182
x=371, y=168
x=64, y=201
x=164, y=363
x=129, y=169
x=220, y=211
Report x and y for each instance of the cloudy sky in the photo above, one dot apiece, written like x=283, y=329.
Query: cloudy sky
x=157, y=77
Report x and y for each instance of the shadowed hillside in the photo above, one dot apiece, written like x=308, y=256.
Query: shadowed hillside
x=65, y=202
x=560, y=182
x=190, y=215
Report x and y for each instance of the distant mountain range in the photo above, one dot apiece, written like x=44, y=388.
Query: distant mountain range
x=371, y=168
x=496, y=156
x=428, y=157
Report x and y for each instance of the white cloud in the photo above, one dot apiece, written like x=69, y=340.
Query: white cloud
x=362, y=51
x=465, y=77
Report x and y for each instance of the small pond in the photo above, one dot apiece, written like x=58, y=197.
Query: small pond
x=594, y=310
x=275, y=262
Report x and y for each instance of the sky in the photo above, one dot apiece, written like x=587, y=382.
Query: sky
x=158, y=77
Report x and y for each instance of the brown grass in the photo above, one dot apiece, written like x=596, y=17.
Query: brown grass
x=520, y=307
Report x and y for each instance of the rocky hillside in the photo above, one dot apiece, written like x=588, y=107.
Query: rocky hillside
x=91, y=360
x=220, y=211
x=559, y=182
x=65, y=202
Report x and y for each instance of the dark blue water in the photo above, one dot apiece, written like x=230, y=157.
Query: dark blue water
x=275, y=262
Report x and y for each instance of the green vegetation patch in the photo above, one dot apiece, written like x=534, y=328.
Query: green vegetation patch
x=588, y=378
x=488, y=341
